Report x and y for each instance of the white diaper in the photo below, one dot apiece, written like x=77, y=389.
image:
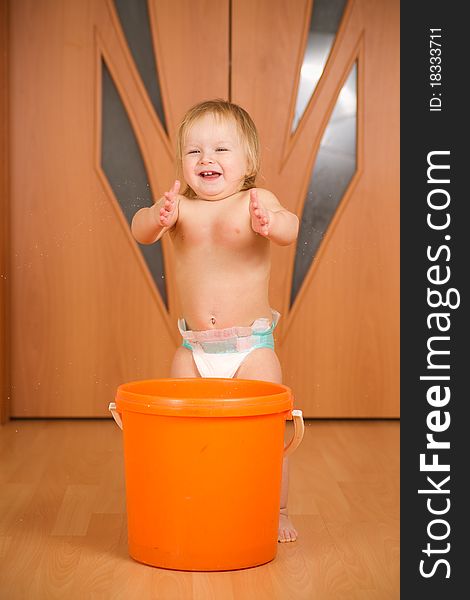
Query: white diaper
x=219, y=365
x=220, y=352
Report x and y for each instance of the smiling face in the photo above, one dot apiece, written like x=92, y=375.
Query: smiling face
x=214, y=158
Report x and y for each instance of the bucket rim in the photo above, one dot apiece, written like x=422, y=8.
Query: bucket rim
x=274, y=398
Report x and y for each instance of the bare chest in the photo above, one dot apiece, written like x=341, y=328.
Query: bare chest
x=223, y=225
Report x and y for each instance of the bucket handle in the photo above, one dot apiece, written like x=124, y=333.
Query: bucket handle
x=116, y=415
x=299, y=429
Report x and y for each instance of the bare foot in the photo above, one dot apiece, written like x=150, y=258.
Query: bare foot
x=287, y=532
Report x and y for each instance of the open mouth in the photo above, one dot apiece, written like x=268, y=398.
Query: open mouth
x=209, y=174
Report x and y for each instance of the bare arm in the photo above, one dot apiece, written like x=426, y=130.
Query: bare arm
x=150, y=223
x=271, y=220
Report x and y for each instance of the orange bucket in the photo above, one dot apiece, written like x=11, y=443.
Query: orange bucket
x=203, y=464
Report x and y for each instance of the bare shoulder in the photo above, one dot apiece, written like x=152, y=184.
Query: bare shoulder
x=184, y=204
x=268, y=199
x=182, y=198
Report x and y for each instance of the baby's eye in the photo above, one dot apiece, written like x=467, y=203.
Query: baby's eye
x=192, y=151
x=222, y=149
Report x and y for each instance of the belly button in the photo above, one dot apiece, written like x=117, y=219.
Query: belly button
x=212, y=320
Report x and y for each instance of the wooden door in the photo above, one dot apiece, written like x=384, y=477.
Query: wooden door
x=87, y=313
x=339, y=339
x=89, y=309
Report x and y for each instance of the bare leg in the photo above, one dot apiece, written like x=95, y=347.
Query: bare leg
x=263, y=364
x=183, y=364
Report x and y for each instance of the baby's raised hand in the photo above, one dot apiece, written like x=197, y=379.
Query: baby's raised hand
x=169, y=211
x=260, y=216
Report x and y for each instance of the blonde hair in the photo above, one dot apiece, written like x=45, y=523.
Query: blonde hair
x=246, y=130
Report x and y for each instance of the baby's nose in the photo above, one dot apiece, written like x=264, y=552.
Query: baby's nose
x=206, y=158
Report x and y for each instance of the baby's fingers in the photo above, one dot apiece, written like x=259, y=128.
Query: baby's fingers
x=176, y=187
x=169, y=201
x=173, y=193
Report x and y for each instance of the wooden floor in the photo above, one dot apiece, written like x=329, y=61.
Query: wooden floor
x=63, y=525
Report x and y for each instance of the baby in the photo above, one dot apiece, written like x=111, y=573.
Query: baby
x=221, y=227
